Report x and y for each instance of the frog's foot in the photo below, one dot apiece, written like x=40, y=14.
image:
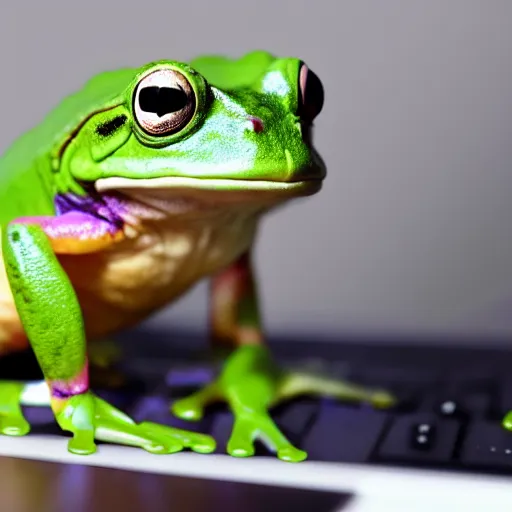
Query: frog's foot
x=88, y=417
x=251, y=385
x=12, y=421
x=247, y=399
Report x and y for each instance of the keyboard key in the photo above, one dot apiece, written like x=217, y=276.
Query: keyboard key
x=419, y=438
x=182, y=381
x=462, y=401
x=344, y=434
x=190, y=376
x=463, y=408
x=296, y=418
x=487, y=445
x=393, y=375
x=423, y=436
x=450, y=408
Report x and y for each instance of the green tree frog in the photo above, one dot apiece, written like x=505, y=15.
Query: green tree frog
x=132, y=190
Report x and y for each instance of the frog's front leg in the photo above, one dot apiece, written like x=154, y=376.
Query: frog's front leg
x=52, y=319
x=250, y=381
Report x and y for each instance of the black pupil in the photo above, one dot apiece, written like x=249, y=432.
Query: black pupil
x=313, y=96
x=162, y=100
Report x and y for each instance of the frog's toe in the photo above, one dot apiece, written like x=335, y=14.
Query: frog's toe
x=165, y=447
x=291, y=454
x=261, y=426
x=159, y=440
x=240, y=443
x=240, y=448
x=192, y=407
x=12, y=421
x=302, y=383
x=271, y=434
x=145, y=435
x=14, y=425
x=175, y=437
x=82, y=443
x=382, y=399
x=246, y=430
x=201, y=443
x=188, y=409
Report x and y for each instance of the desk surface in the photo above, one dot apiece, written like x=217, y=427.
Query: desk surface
x=375, y=489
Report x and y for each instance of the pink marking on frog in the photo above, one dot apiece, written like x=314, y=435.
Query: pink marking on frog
x=257, y=124
x=75, y=225
x=78, y=385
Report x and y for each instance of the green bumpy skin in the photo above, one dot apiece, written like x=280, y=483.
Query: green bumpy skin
x=231, y=138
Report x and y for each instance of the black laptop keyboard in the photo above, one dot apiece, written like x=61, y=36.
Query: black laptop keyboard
x=451, y=403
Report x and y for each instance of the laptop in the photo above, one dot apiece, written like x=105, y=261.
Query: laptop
x=441, y=446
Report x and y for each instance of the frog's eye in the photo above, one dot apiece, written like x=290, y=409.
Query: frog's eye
x=164, y=102
x=311, y=94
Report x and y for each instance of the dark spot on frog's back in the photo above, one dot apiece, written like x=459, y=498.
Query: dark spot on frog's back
x=14, y=271
x=15, y=236
x=110, y=127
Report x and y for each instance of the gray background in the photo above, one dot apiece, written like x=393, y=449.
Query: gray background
x=412, y=231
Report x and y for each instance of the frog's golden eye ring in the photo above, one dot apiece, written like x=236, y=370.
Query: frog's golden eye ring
x=311, y=94
x=164, y=102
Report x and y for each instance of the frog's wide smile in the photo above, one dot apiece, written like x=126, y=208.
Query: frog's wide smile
x=175, y=185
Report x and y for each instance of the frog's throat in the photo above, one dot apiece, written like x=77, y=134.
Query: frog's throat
x=174, y=185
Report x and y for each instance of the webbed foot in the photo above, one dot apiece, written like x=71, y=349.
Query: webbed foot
x=90, y=418
x=251, y=384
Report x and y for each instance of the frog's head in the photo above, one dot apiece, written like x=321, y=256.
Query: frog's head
x=214, y=129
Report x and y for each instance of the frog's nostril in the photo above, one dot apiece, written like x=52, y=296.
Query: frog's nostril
x=311, y=94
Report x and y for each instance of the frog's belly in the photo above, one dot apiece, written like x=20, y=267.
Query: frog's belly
x=121, y=287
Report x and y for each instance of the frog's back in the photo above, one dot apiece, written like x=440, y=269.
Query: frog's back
x=231, y=74
x=25, y=168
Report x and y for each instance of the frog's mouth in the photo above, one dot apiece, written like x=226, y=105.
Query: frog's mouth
x=208, y=190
